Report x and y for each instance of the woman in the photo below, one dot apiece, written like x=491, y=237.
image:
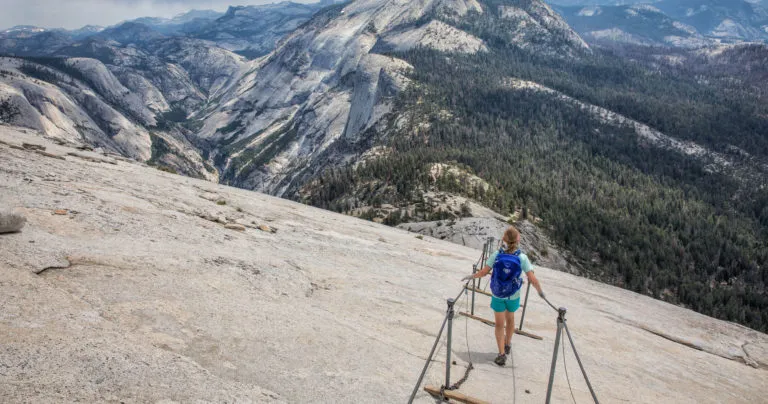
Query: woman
x=504, y=307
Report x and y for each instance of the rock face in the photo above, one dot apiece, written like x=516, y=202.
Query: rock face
x=11, y=222
x=136, y=297
x=474, y=232
x=320, y=90
x=328, y=89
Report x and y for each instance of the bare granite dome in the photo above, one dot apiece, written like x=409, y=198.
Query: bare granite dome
x=132, y=284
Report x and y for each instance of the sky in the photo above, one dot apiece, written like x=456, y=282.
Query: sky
x=71, y=14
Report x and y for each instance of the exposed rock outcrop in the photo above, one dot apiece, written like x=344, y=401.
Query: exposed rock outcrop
x=11, y=222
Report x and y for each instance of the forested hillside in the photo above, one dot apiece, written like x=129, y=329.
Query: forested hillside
x=677, y=225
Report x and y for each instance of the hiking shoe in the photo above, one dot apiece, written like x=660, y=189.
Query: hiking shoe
x=500, y=360
x=507, y=348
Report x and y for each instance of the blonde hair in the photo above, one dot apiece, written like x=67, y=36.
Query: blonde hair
x=510, y=238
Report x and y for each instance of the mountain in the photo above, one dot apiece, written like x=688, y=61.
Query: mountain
x=677, y=23
x=132, y=282
x=32, y=41
x=576, y=3
x=85, y=32
x=725, y=19
x=253, y=31
x=635, y=24
x=337, y=90
x=126, y=99
x=605, y=144
x=188, y=22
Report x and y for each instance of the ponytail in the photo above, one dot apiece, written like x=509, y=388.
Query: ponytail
x=510, y=238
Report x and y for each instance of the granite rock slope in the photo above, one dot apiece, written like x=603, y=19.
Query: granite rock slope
x=127, y=285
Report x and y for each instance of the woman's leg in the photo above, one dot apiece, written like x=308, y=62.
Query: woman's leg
x=500, y=318
x=510, y=328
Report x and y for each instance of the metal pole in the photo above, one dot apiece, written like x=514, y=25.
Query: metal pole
x=594, y=396
x=429, y=359
x=448, y=346
x=474, y=287
x=560, y=322
x=525, y=305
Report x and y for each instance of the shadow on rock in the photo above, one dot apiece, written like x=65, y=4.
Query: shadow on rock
x=11, y=222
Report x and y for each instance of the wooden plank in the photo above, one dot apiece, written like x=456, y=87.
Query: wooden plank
x=482, y=292
x=454, y=395
x=493, y=324
x=527, y=334
x=489, y=322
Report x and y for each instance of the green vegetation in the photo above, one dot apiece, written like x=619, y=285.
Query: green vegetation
x=233, y=126
x=651, y=220
x=56, y=63
x=160, y=148
x=255, y=158
x=8, y=111
x=175, y=115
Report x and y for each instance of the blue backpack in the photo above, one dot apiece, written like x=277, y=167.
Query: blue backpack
x=507, y=274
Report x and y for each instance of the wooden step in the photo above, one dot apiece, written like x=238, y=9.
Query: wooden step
x=454, y=395
x=493, y=324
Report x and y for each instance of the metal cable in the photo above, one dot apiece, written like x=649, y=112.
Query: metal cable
x=514, y=376
x=466, y=329
x=565, y=365
x=429, y=360
x=550, y=304
x=578, y=360
x=461, y=381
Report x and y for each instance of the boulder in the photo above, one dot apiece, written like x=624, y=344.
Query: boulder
x=267, y=229
x=11, y=222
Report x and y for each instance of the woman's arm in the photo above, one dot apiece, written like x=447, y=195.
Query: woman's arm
x=535, y=282
x=479, y=274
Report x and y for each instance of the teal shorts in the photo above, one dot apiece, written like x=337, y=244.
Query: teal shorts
x=501, y=305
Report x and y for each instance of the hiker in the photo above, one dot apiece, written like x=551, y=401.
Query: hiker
x=508, y=265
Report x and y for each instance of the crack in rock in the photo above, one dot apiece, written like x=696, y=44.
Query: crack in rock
x=65, y=265
x=745, y=358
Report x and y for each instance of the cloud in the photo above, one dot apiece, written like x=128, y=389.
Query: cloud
x=72, y=14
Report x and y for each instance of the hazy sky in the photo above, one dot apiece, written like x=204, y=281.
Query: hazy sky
x=77, y=13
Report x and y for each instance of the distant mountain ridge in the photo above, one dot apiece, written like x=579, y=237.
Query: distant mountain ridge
x=676, y=23
x=636, y=24
x=249, y=30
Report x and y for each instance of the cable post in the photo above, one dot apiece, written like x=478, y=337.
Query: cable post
x=448, y=345
x=560, y=322
x=525, y=305
x=474, y=287
x=429, y=360
x=578, y=359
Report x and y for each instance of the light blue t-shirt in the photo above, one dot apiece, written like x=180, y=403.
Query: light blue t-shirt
x=525, y=264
